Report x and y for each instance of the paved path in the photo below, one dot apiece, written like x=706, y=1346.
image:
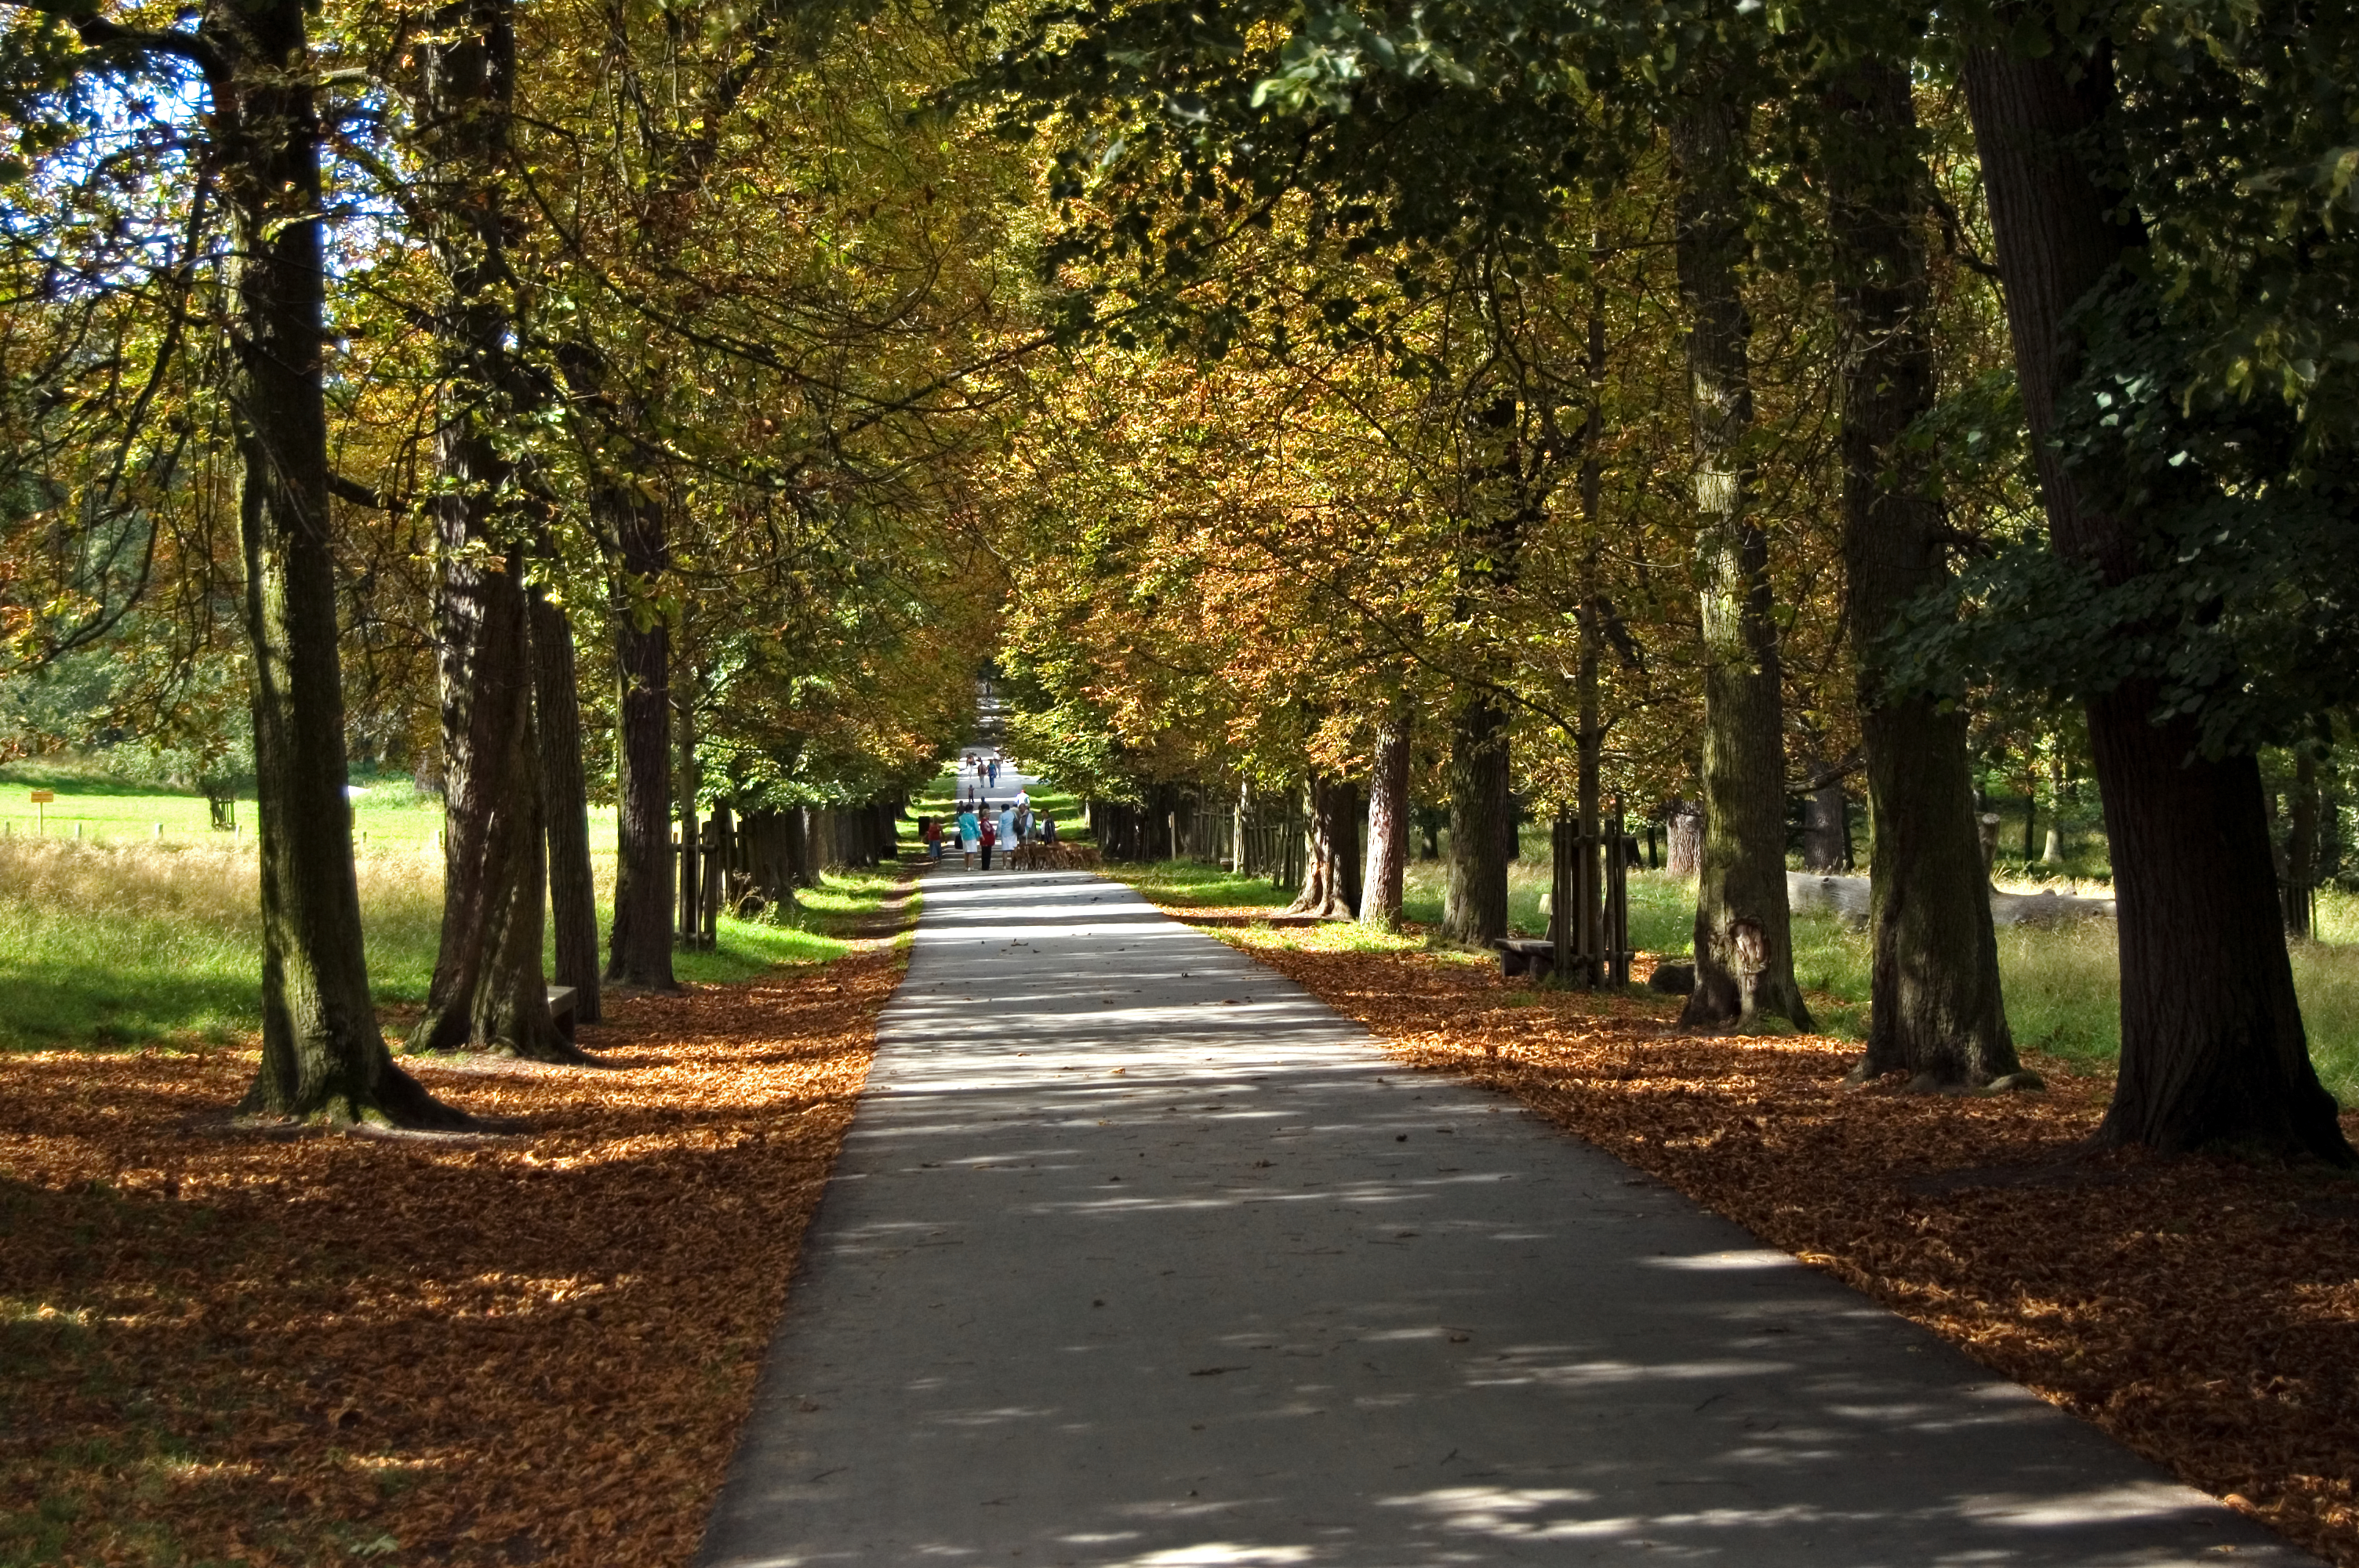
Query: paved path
x=1139, y=1255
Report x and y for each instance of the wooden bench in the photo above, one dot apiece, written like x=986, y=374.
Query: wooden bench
x=561, y=1008
x=1525, y=956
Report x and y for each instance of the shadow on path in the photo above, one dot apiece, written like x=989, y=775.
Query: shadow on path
x=1139, y=1255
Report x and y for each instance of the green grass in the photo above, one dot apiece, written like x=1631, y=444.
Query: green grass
x=131, y=943
x=2063, y=985
x=101, y=808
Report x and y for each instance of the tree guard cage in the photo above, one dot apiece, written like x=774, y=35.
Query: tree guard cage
x=1589, y=902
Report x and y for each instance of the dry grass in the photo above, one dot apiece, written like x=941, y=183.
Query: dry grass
x=136, y=942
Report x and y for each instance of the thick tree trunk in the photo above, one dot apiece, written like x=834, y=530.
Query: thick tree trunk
x=489, y=991
x=573, y=888
x=1935, y=1008
x=1474, y=884
x=2212, y=1046
x=322, y=1054
x=1388, y=810
x=639, y=948
x=1330, y=850
x=1743, y=947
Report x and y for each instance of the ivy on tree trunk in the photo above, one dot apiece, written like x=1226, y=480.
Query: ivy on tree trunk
x=489, y=987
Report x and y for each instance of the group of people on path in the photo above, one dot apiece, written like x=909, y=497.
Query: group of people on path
x=980, y=830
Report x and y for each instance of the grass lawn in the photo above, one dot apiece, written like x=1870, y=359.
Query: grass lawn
x=390, y=814
x=131, y=942
x=2062, y=988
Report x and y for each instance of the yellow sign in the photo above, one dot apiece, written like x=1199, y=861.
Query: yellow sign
x=43, y=796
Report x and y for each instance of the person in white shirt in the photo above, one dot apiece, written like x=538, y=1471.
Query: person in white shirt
x=1008, y=830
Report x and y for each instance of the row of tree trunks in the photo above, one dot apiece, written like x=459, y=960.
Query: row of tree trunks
x=2213, y=1045
x=1743, y=947
x=1935, y=1008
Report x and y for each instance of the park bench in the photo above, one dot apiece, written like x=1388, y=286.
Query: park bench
x=1525, y=956
x=561, y=1008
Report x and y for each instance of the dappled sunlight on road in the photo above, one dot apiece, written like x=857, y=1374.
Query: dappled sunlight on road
x=1137, y=1255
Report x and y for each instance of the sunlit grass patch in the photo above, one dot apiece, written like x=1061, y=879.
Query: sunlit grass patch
x=2061, y=983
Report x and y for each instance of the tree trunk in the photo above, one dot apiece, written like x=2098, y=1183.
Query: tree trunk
x=1330, y=850
x=1824, y=829
x=639, y=948
x=692, y=782
x=324, y=1056
x=1388, y=810
x=489, y=989
x=1744, y=949
x=1683, y=833
x=1588, y=739
x=573, y=888
x=1474, y=885
x=2301, y=841
x=1936, y=1011
x=2212, y=1046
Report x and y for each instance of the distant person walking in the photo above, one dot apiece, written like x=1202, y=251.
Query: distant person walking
x=993, y=768
x=970, y=834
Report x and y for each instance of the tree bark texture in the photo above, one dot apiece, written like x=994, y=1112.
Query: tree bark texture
x=2212, y=1045
x=1743, y=947
x=1935, y=1008
x=639, y=948
x=1474, y=878
x=573, y=888
x=324, y=1056
x=1330, y=869
x=1683, y=835
x=1825, y=828
x=1389, y=811
x=489, y=987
